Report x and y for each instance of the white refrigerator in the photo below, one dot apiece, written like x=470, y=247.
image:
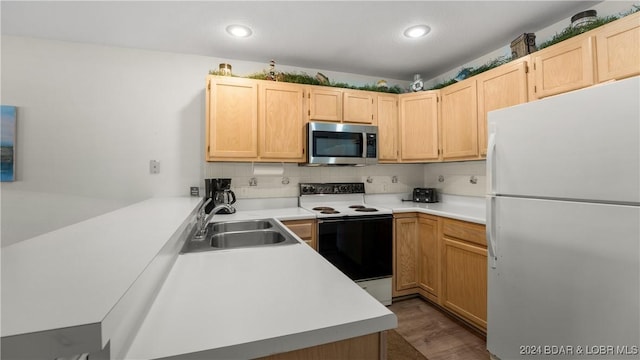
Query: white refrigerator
x=563, y=226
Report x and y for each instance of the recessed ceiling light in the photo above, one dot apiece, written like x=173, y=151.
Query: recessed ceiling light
x=417, y=31
x=239, y=30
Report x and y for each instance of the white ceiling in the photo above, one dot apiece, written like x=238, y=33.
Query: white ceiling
x=360, y=37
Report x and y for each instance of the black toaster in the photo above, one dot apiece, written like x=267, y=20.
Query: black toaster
x=425, y=195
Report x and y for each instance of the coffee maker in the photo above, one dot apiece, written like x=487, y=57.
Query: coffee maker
x=220, y=191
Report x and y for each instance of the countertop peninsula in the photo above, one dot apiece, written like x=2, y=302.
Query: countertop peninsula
x=117, y=280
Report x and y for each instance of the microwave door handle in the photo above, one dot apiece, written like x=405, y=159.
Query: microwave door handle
x=364, y=146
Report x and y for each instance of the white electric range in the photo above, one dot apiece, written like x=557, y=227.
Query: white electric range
x=355, y=237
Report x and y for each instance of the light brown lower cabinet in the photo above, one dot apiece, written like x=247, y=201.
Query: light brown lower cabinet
x=416, y=249
x=305, y=229
x=429, y=261
x=405, y=249
x=443, y=260
x=372, y=346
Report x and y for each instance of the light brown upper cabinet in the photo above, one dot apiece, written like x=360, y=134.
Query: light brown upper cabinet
x=339, y=105
x=459, y=119
x=419, y=126
x=387, y=128
x=358, y=107
x=254, y=120
x=618, y=48
x=565, y=66
x=325, y=104
x=281, y=121
x=232, y=119
x=498, y=88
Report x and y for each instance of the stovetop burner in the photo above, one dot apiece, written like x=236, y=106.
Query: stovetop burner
x=330, y=212
x=338, y=200
x=323, y=208
x=366, y=209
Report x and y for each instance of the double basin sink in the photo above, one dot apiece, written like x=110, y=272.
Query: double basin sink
x=240, y=234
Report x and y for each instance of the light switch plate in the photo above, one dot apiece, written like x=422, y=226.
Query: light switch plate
x=154, y=167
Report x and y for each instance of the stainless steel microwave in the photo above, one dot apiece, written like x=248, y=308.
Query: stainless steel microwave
x=341, y=144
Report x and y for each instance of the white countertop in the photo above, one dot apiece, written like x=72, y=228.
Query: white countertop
x=245, y=303
x=466, y=208
x=89, y=276
x=75, y=276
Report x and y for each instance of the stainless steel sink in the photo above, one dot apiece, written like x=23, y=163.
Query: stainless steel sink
x=246, y=238
x=240, y=226
x=240, y=234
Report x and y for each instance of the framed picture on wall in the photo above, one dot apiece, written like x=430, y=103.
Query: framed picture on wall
x=7, y=143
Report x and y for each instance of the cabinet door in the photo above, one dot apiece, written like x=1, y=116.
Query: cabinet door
x=419, y=126
x=618, y=48
x=459, y=118
x=464, y=280
x=429, y=263
x=305, y=229
x=232, y=118
x=357, y=107
x=325, y=104
x=281, y=122
x=499, y=88
x=406, y=253
x=563, y=67
x=387, y=128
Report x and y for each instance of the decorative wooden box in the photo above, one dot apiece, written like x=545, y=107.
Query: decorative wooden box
x=523, y=45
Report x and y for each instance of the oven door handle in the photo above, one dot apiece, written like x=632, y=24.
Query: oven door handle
x=354, y=218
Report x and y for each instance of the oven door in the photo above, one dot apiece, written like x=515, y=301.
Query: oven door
x=359, y=246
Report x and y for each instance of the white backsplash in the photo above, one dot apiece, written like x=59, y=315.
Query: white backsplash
x=269, y=186
x=457, y=177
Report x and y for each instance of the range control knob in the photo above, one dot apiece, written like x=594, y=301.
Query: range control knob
x=308, y=189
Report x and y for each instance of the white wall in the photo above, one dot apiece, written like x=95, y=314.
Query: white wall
x=90, y=118
x=456, y=177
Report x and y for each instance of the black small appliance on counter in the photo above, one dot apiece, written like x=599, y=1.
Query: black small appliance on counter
x=220, y=191
x=425, y=195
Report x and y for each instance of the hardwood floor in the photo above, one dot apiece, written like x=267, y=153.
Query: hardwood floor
x=436, y=335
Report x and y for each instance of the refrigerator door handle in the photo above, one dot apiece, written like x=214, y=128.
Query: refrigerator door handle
x=491, y=235
x=491, y=163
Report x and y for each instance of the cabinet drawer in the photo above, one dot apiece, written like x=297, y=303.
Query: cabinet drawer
x=463, y=230
x=303, y=230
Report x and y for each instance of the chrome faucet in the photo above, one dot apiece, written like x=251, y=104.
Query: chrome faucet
x=203, y=219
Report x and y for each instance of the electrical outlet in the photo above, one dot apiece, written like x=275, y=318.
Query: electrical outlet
x=154, y=167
